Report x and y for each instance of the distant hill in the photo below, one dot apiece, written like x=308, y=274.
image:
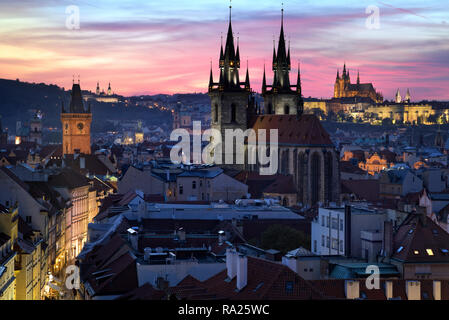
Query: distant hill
x=20, y=100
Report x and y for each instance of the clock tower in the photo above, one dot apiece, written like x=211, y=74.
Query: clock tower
x=76, y=125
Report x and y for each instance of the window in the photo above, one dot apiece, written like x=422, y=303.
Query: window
x=322, y=241
x=341, y=245
x=28, y=219
x=233, y=113
x=201, y=183
x=415, y=251
x=429, y=252
x=327, y=221
x=287, y=109
x=216, y=113
x=314, y=246
x=335, y=244
x=181, y=189
x=289, y=287
x=341, y=224
x=322, y=221
x=193, y=184
x=335, y=223
x=327, y=242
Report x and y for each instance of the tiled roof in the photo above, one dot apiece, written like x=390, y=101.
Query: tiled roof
x=347, y=166
x=145, y=292
x=305, y=131
x=266, y=281
x=416, y=236
x=366, y=189
x=282, y=185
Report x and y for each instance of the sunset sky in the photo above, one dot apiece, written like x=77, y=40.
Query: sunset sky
x=148, y=47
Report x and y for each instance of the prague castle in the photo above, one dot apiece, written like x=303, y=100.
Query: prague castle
x=343, y=88
x=306, y=151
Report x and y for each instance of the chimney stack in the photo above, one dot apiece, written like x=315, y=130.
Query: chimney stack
x=437, y=290
x=352, y=289
x=413, y=290
x=230, y=263
x=388, y=238
x=389, y=289
x=242, y=271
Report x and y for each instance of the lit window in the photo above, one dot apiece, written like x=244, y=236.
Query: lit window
x=400, y=249
x=444, y=250
x=429, y=252
x=416, y=252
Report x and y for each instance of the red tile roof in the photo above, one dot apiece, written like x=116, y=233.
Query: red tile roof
x=416, y=237
x=305, y=131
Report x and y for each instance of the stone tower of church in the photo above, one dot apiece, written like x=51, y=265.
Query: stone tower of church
x=76, y=125
x=281, y=97
x=231, y=100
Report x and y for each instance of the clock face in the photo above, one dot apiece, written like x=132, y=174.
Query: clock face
x=80, y=126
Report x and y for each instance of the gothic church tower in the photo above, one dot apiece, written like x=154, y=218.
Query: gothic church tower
x=231, y=100
x=76, y=125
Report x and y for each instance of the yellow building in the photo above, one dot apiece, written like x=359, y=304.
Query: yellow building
x=403, y=112
x=8, y=235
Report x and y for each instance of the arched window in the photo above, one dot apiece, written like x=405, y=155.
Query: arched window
x=216, y=113
x=300, y=176
x=315, y=177
x=233, y=113
x=270, y=109
x=286, y=109
x=328, y=178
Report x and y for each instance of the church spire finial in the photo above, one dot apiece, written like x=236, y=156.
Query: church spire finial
x=358, y=77
x=298, y=83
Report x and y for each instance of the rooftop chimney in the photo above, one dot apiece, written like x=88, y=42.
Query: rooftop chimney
x=389, y=289
x=352, y=289
x=437, y=290
x=388, y=238
x=231, y=255
x=413, y=290
x=221, y=237
x=242, y=271
x=181, y=234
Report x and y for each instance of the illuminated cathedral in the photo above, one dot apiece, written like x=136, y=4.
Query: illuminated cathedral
x=343, y=88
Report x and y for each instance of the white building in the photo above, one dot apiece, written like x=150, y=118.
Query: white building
x=348, y=231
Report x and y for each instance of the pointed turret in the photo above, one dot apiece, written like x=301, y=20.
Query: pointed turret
x=274, y=55
x=338, y=74
x=76, y=103
x=358, y=77
x=398, y=98
x=344, y=71
x=281, y=66
x=247, y=85
x=237, y=54
x=288, y=57
x=407, y=96
x=298, y=81
x=211, y=78
x=264, y=80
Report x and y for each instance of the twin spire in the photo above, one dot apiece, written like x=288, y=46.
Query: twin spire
x=230, y=65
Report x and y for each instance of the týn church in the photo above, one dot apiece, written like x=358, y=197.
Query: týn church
x=306, y=151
